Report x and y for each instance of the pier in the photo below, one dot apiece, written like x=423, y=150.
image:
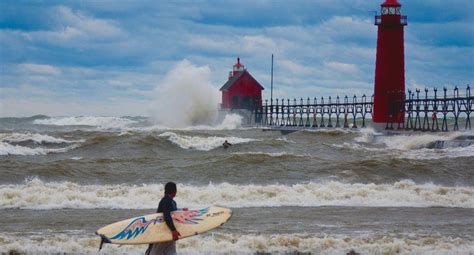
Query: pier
x=422, y=111
x=391, y=107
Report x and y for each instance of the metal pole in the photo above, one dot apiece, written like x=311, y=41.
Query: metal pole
x=271, y=83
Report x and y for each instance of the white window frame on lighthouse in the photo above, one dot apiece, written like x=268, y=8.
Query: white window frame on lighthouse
x=391, y=10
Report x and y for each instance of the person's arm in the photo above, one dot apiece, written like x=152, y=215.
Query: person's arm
x=170, y=206
x=167, y=209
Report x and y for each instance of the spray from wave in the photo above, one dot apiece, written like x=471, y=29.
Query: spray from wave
x=185, y=97
x=36, y=194
x=230, y=122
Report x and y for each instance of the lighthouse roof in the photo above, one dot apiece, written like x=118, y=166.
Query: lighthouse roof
x=391, y=3
x=236, y=77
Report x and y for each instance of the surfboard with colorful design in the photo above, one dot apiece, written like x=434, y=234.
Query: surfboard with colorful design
x=152, y=228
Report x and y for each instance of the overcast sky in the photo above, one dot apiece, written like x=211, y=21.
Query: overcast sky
x=109, y=57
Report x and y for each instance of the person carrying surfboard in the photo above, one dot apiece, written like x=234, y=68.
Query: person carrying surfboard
x=160, y=229
x=166, y=206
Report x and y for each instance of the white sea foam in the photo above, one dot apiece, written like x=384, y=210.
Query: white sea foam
x=124, y=133
x=415, y=140
x=6, y=148
x=9, y=149
x=101, y=122
x=405, y=140
x=428, y=154
x=418, y=154
x=230, y=121
x=36, y=194
x=271, y=154
x=357, y=146
x=285, y=139
x=36, y=138
x=202, y=143
x=366, y=135
x=408, y=145
x=332, y=130
x=218, y=243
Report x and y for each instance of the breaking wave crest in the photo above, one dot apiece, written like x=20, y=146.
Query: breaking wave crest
x=219, y=243
x=36, y=138
x=420, y=146
x=202, y=143
x=418, y=154
x=416, y=141
x=12, y=144
x=407, y=141
x=230, y=121
x=331, y=131
x=36, y=194
x=9, y=149
x=269, y=154
x=101, y=122
x=428, y=154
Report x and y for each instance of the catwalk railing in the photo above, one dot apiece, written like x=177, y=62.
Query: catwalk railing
x=426, y=112
x=312, y=113
x=430, y=112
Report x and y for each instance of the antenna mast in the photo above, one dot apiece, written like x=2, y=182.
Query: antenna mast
x=271, y=84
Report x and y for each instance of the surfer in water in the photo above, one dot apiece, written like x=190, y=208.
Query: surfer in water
x=166, y=206
x=226, y=144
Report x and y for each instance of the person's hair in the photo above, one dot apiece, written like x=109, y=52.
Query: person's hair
x=170, y=188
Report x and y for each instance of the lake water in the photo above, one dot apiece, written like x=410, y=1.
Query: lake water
x=323, y=191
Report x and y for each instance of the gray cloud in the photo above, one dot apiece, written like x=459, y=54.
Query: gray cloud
x=95, y=51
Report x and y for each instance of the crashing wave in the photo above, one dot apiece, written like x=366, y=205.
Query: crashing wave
x=202, y=143
x=36, y=194
x=36, y=138
x=12, y=144
x=230, y=122
x=9, y=149
x=101, y=122
x=270, y=154
x=459, y=141
x=420, y=146
x=220, y=243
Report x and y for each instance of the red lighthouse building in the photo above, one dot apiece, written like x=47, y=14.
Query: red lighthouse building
x=389, y=86
x=241, y=91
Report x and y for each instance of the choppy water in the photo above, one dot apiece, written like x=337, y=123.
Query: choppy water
x=324, y=191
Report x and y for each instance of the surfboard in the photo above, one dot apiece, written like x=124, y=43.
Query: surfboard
x=152, y=228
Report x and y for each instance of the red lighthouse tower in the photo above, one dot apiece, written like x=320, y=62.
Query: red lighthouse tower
x=389, y=86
